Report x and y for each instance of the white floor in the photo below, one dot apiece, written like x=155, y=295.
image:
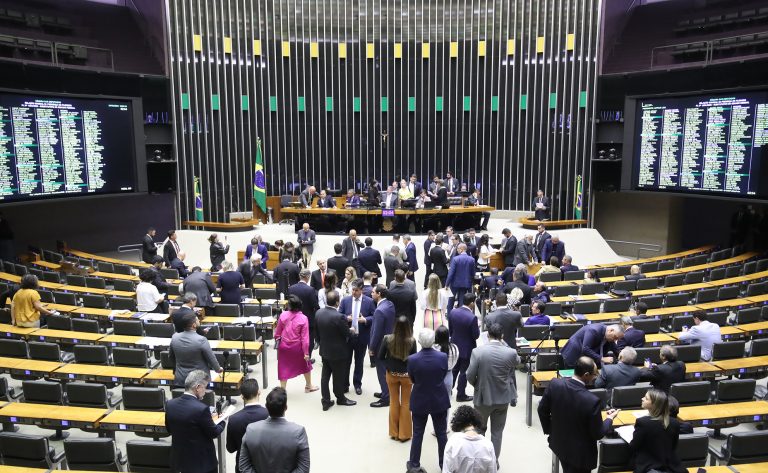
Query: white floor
x=355, y=439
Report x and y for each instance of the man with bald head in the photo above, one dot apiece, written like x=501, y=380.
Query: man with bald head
x=350, y=248
x=460, y=276
x=306, y=239
x=307, y=196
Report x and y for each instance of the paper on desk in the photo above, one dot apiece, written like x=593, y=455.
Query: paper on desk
x=626, y=432
x=224, y=414
x=154, y=317
x=603, y=296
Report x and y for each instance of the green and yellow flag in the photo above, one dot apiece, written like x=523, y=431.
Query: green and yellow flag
x=577, y=200
x=198, y=201
x=259, y=182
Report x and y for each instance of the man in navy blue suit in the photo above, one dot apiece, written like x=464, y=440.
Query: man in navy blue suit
x=410, y=254
x=594, y=341
x=191, y=426
x=309, y=305
x=359, y=311
x=427, y=370
x=460, y=276
x=252, y=412
x=464, y=330
x=553, y=247
x=427, y=262
x=383, y=324
x=633, y=337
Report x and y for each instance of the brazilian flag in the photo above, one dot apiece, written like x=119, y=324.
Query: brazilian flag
x=578, y=199
x=259, y=182
x=198, y=201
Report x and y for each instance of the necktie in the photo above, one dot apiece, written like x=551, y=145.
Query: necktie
x=355, y=314
x=176, y=246
x=354, y=249
x=322, y=278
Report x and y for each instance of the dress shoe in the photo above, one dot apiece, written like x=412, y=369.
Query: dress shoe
x=380, y=403
x=358, y=391
x=327, y=405
x=377, y=395
x=464, y=398
x=346, y=402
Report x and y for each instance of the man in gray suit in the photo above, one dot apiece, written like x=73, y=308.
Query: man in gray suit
x=510, y=320
x=492, y=372
x=622, y=373
x=190, y=351
x=306, y=239
x=201, y=285
x=275, y=445
x=524, y=250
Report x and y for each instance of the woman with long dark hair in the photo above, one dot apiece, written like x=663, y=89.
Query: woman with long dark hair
x=329, y=285
x=394, y=352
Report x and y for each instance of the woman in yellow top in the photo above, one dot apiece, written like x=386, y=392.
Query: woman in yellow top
x=26, y=309
x=404, y=192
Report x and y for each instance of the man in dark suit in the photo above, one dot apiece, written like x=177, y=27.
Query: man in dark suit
x=510, y=320
x=393, y=262
x=158, y=280
x=171, y=248
x=441, y=198
x=439, y=260
x=461, y=274
x=383, y=324
x=249, y=269
x=179, y=316
x=148, y=248
x=490, y=284
x=508, y=247
x=333, y=333
x=191, y=426
x=541, y=206
x=427, y=262
x=309, y=304
x=553, y=247
x=427, y=370
x=633, y=337
x=358, y=309
x=572, y=418
x=177, y=263
x=473, y=200
x=307, y=196
x=451, y=184
x=338, y=263
x=622, y=373
x=403, y=297
x=538, y=241
x=414, y=185
x=389, y=198
x=252, y=412
x=286, y=274
x=669, y=372
x=567, y=265
x=634, y=273
x=369, y=259
x=326, y=201
x=410, y=257
x=464, y=330
x=317, y=280
x=350, y=249
x=519, y=280
x=594, y=341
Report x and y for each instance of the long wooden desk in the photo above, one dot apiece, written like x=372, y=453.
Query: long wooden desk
x=750, y=364
x=532, y=223
x=132, y=421
x=51, y=416
x=377, y=211
x=709, y=415
x=83, y=254
x=728, y=333
x=681, y=254
x=749, y=468
x=736, y=259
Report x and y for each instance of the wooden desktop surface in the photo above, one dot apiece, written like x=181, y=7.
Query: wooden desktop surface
x=115, y=419
x=48, y=411
x=68, y=335
x=734, y=411
x=22, y=469
x=398, y=211
x=83, y=254
x=748, y=468
x=677, y=255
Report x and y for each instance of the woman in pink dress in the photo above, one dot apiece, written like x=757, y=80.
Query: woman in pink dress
x=292, y=335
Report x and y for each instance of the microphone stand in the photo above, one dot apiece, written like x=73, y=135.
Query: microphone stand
x=529, y=394
x=243, y=361
x=220, y=403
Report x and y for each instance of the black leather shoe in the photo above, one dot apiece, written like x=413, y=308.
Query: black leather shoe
x=358, y=391
x=377, y=395
x=464, y=398
x=346, y=402
x=327, y=405
x=380, y=403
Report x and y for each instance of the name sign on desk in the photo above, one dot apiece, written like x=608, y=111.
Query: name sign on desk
x=387, y=212
x=122, y=427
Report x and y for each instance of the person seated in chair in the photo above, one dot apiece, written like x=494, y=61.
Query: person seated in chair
x=633, y=337
x=568, y=264
x=670, y=370
x=634, y=273
x=622, y=373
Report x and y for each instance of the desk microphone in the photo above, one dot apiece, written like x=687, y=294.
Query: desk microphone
x=220, y=404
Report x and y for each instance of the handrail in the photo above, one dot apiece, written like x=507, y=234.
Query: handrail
x=642, y=248
x=709, y=45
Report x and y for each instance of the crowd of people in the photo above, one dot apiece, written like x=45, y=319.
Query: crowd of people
x=422, y=346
